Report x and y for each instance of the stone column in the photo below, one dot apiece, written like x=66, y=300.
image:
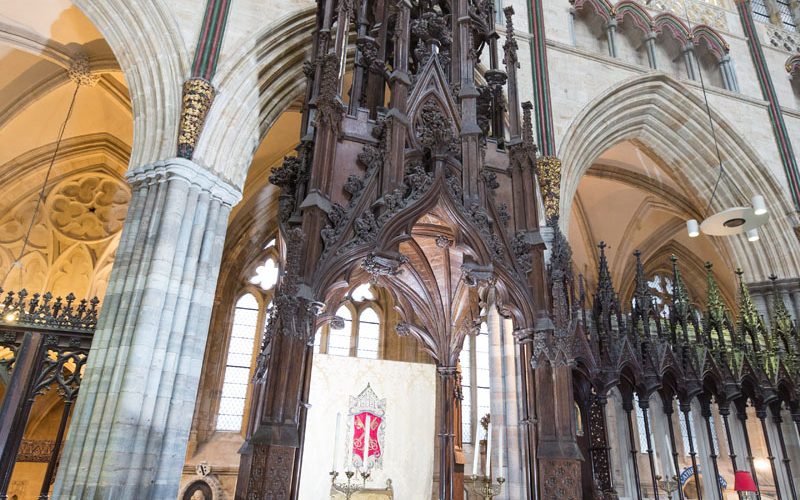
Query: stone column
x=728, y=75
x=131, y=424
x=650, y=45
x=689, y=61
x=505, y=401
x=611, y=34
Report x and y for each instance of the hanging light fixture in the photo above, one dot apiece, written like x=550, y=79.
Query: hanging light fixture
x=731, y=221
x=80, y=74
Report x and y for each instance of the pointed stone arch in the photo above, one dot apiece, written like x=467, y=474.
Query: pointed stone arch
x=146, y=41
x=255, y=86
x=671, y=121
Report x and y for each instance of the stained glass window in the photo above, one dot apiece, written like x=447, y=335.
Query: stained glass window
x=237, y=364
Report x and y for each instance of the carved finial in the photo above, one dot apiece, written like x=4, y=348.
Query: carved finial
x=510, y=47
x=641, y=282
x=80, y=72
x=680, y=311
x=527, y=126
x=716, y=311
x=605, y=288
x=749, y=322
x=781, y=320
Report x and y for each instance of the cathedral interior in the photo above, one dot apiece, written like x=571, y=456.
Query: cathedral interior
x=400, y=249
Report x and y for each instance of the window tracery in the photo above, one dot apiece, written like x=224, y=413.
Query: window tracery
x=363, y=324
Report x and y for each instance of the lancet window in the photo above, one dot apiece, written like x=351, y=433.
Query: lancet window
x=237, y=364
x=474, y=360
x=249, y=320
x=362, y=326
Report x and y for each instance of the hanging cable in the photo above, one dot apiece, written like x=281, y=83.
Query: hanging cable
x=708, y=113
x=18, y=261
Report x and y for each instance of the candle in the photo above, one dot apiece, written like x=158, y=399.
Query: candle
x=488, y=472
x=367, y=431
x=336, y=440
x=348, y=456
x=501, y=452
x=476, y=457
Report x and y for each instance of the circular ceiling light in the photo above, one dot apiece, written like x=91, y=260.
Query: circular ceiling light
x=736, y=220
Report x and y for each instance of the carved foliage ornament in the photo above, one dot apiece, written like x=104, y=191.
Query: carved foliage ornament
x=198, y=94
x=549, y=174
x=434, y=131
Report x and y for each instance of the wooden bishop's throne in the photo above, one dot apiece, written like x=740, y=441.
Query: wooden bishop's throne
x=409, y=178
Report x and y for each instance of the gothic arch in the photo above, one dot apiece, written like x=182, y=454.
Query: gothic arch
x=256, y=85
x=147, y=43
x=648, y=109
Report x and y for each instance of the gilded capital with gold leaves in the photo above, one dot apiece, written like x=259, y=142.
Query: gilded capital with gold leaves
x=198, y=94
x=548, y=171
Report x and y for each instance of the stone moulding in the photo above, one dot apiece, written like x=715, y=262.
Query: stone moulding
x=188, y=171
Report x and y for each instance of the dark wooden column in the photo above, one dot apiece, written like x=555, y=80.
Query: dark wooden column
x=741, y=414
x=627, y=406
x=16, y=406
x=598, y=435
x=668, y=411
x=49, y=474
x=558, y=452
x=528, y=421
x=447, y=378
x=761, y=413
x=686, y=409
x=705, y=411
x=787, y=463
x=644, y=404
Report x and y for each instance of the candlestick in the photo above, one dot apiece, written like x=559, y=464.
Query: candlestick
x=488, y=472
x=336, y=440
x=367, y=432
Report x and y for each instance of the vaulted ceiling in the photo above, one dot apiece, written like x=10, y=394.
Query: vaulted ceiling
x=631, y=200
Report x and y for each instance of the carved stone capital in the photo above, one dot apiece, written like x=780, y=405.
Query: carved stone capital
x=189, y=172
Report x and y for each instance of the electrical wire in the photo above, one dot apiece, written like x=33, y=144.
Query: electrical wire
x=18, y=261
x=710, y=120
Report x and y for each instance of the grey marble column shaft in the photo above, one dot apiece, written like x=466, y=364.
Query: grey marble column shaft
x=131, y=423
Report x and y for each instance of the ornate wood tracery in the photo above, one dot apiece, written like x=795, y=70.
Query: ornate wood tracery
x=712, y=356
x=410, y=180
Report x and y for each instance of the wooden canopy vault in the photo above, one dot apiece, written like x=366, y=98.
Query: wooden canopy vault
x=422, y=177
